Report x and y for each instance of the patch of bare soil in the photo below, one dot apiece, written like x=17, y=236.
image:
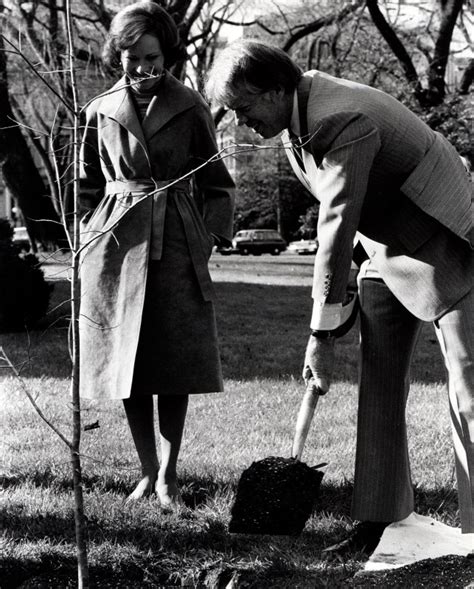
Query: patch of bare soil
x=447, y=572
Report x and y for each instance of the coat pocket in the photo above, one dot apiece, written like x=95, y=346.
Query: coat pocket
x=102, y=220
x=412, y=226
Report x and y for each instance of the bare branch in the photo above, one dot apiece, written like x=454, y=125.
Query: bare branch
x=191, y=18
x=249, y=23
x=40, y=76
x=104, y=15
x=321, y=22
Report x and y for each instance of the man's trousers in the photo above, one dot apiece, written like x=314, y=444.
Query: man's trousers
x=383, y=488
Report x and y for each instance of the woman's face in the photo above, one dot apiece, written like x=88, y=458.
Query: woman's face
x=143, y=62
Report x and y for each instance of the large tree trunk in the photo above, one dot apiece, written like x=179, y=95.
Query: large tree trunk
x=398, y=49
x=436, y=91
x=20, y=173
x=449, y=12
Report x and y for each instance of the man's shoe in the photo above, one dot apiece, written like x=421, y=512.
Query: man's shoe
x=364, y=539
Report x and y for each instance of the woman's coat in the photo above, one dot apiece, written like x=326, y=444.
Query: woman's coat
x=128, y=171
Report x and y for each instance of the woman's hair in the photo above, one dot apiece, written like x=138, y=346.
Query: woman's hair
x=252, y=66
x=138, y=19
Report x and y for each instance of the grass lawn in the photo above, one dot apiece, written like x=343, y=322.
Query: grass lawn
x=263, y=329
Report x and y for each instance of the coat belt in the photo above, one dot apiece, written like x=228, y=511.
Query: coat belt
x=140, y=186
x=129, y=190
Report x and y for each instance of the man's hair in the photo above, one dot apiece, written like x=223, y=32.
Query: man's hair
x=252, y=66
x=138, y=19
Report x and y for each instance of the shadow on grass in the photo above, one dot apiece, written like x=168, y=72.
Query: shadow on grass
x=195, y=491
x=150, y=573
x=161, y=556
x=60, y=572
x=449, y=572
x=332, y=501
x=263, y=332
x=162, y=544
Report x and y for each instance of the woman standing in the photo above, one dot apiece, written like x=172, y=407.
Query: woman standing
x=147, y=324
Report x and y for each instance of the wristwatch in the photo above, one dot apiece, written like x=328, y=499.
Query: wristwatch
x=325, y=334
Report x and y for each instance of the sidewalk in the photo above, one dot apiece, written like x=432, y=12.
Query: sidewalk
x=55, y=265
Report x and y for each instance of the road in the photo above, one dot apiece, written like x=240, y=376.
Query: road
x=286, y=269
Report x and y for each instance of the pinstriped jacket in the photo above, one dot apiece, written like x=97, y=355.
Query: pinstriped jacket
x=381, y=173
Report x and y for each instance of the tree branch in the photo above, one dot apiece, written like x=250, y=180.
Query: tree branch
x=40, y=76
x=395, y=45
x=321, y=22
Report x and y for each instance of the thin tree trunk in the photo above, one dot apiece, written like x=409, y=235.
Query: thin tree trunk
x=79, y=515
x=467, y=78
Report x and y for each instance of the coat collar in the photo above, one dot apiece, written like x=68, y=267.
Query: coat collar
x=303, y=92
x=299, y=119
x=172, y=98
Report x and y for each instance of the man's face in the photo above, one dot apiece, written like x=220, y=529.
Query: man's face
x=267, y=113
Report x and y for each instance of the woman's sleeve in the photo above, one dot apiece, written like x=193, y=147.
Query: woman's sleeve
x=92, y=180
x=213, y=179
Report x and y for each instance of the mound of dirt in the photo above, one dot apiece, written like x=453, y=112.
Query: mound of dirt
x=447, y=572
x=275, y=496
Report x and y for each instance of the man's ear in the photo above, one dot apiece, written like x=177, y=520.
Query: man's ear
x=275, y=94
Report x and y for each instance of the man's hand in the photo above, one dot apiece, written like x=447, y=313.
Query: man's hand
x=319, y=364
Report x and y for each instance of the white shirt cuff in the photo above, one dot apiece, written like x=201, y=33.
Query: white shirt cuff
x=327, y=317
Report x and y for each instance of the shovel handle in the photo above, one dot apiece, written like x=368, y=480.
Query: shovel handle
x=303, y=421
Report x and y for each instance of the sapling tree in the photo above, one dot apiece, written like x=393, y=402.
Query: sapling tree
x=72, y=232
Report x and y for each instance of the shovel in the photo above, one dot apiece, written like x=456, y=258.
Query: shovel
x=276, y=495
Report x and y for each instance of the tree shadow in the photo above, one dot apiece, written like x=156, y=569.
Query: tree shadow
x=161, y=546
x=333, y=500
x=60, y=572
x=196, y=491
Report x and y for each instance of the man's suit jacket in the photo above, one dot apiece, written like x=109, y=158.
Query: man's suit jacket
x=380, y=172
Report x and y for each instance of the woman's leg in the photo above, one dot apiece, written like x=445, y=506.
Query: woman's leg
x=139, y=411
x=172, y=411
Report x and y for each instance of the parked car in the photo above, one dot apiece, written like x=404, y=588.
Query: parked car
x=21, y=239
x=258, y=241
x=303, y=246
